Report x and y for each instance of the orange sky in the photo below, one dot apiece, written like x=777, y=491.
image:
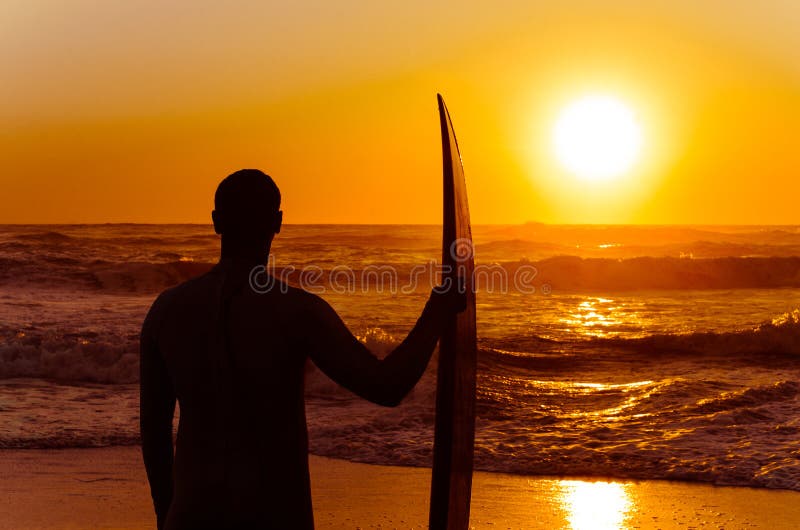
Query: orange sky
x=133, y=111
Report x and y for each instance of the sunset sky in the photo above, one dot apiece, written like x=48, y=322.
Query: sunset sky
x=133, y=111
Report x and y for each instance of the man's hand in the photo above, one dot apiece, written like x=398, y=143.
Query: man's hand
x=448, y=298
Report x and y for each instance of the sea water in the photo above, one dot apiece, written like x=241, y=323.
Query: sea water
x=621, y=351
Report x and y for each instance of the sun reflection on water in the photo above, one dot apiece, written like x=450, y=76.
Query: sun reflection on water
x=608, y=401
x=595, y=505
x=601, y=317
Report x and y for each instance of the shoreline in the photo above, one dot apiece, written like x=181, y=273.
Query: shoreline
x=107, y=488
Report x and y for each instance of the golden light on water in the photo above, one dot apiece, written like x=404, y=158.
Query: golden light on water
x=595, y=505
x=600, y=317
x=630, y=393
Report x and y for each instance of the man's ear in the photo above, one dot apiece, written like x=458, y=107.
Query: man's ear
x=217, y=221
x=278, y=221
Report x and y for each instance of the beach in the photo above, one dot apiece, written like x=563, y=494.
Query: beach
x=106, y=488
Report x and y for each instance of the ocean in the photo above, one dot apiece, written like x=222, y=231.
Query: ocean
x=651, y=352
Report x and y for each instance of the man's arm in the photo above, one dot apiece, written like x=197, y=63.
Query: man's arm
x=342, y=357
x=156, y=411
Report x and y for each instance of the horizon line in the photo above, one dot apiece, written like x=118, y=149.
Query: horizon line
x=524, y=223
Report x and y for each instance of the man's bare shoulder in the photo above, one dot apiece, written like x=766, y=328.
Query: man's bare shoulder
x=186, y=294
x=191, y=289
x=293, y=298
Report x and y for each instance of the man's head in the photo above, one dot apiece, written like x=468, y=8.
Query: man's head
x=247, y=209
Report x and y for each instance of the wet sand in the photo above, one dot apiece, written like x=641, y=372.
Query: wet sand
x=107, y=488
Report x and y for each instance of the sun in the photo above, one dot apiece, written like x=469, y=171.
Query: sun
x=597, y=138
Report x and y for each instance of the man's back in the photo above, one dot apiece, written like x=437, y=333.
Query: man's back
x=235, y=360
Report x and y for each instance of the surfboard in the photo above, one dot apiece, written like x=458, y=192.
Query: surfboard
x=454, y=435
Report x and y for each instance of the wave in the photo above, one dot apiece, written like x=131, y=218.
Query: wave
x=665, y=429
x=772, y=343
x=71, y=357
x=564, y=273
x=44, y=237
x=748, y=398
x=113, y=357
x=779, y=337
x=145, y=277
x=63, y=272
x=574, y=273
x=78, y=440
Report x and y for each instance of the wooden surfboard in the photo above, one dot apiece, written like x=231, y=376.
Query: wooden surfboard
x=454, y=438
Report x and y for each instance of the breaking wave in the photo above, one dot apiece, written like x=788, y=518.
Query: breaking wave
x=113, y=357
x=564, y=273
x=780, y=336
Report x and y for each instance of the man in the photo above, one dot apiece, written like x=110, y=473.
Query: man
x=234, y=358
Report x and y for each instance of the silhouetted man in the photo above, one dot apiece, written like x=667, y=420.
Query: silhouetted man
x=234, y=359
